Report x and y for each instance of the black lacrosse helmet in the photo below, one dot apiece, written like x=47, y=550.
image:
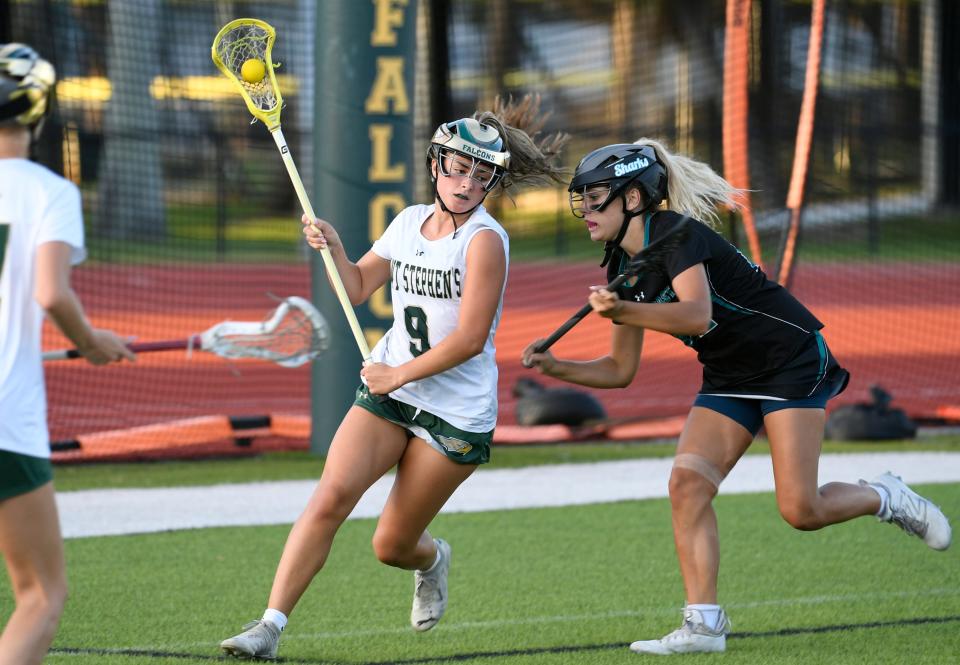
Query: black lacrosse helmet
x=619, y=165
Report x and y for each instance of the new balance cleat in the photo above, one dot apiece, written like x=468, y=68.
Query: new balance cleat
x=692, y=637
x=259, y=639
x=430, y=591
x=911, y=512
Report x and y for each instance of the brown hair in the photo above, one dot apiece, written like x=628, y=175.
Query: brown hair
x=532, y=159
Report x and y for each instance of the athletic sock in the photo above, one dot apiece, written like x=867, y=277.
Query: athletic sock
x=435, y=562
x=884, y=501
x=710, y=614
x=276, y=617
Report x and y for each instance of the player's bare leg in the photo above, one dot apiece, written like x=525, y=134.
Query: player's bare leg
x=711, y=443
x=425, y=481
x=796, y=436
x=364, y=448
x=31, y=544
x=795, y=443
x=719, y=441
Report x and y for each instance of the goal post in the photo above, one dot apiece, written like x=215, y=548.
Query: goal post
x=365, y=165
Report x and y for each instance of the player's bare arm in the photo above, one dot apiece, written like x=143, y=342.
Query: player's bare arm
x=359, y=279
x=689, y=316
x=55, y=295
x=486, y=272
x=614, y=370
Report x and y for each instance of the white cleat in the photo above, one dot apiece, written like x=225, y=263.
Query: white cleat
x=430, y=591
x=259, y=639
x=911, y=512
x=692, y=637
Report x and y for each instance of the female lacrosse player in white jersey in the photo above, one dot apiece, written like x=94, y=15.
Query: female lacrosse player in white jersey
x=41, y=236
x=764, y=364
x=428, y=403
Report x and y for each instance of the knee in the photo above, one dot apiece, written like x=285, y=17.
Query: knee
x=332, y=503
x=801, y=514
x=689, y=490
x=46, y=601
x=391, y=549
x=56, y=600
x=60, y=593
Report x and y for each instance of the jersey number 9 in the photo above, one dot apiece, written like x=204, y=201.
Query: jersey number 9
x=416, y=321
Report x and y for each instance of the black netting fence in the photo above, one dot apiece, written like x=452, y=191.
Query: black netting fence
x=853, y=178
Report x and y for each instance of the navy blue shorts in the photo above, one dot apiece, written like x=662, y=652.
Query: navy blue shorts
x=750, y=412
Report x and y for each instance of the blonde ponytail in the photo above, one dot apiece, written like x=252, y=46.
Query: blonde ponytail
x=693, y=188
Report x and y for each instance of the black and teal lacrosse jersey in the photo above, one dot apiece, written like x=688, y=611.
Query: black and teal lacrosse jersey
x=762, y=342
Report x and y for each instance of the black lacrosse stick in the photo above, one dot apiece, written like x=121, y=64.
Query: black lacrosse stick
x=651, y=258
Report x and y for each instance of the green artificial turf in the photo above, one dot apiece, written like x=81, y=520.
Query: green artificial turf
x=569, y=585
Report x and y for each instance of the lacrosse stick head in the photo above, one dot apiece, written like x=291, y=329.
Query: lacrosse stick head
x=239, y=42
x=293, y=334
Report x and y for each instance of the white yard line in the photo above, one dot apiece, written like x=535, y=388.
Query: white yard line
x=525, y=618
x=123, y=511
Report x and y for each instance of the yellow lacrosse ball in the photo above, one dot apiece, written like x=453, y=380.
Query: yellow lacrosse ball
x=253, y=70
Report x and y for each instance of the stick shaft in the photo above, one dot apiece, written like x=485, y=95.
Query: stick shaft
x=139, y=347
x=650, y=256
x=576, y=318
x=328, y=261
x=562, y=330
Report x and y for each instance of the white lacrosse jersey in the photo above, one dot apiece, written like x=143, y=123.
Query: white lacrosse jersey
x=36, y=206
x=427, y=278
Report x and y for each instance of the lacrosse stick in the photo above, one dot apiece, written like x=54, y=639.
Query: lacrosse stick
x=242, y=51
x=651, y=258
x=292, y=334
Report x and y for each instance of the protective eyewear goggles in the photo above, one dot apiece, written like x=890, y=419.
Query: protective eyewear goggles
x=453, y=163
x=590, y=198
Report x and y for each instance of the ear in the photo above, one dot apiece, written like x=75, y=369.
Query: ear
x=634, y=198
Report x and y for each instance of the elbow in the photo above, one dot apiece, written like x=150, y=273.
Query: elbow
x=700, y=324
x=357, y=297
x=701, y=328
x=49, y=298
x=472, y=345
x=622, y=382
x=624, y=377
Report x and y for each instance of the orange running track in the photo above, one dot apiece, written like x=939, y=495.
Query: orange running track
x=893, y=324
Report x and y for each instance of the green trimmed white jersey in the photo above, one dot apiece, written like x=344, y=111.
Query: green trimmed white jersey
x=36, y=206
x=427, y=278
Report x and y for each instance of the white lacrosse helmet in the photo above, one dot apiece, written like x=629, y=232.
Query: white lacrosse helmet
x=475, y=140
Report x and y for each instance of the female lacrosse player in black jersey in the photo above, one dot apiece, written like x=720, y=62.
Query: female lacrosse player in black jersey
x=764, y=363
x=428, y=405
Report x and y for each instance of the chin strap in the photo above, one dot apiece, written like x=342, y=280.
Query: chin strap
x=453, y=215
x=611, y=246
